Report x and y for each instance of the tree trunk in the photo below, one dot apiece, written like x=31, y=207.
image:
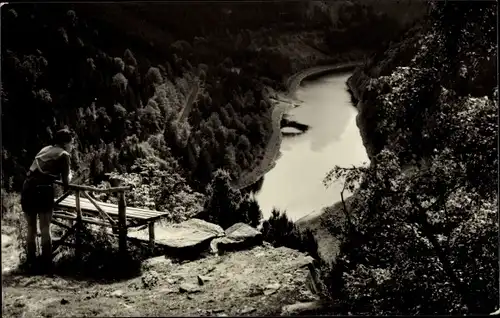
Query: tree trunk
x=352, y=229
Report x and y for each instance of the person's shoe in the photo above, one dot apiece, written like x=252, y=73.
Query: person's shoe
x=31, y=268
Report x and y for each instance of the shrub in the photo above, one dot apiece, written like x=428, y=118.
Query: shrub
x=281, y=231
x=422, y=234
x=226, y=206
x=11, y=205
x=12, y=215
x=99, y=257
x=158, y=185
x=249, y=210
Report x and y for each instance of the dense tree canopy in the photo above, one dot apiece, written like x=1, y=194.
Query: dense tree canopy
x=69, y=80
x=421, y=234
x=157, y=185
x=155, y=82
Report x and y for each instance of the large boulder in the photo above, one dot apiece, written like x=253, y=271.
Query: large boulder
x=189, y=233
x=241, y=231
x=238, y=236
x=301, y=308
x=184, y=240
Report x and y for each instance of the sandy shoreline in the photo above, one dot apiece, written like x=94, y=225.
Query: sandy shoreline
x=279, y=108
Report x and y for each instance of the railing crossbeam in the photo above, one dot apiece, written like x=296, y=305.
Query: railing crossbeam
x=101, y=211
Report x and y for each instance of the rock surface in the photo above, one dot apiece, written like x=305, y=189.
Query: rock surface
x=298, y=308
x=189, y=288
x=6, y=241
x=271, y=289
x=328, y=244
x=237, y=285
x=203, y=279
x=215, y=243
x=238, y=236
x=241, y=231
x=247, y=310
x=188, y=234
x=117, y=293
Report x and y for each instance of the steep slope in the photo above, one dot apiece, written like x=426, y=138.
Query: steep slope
x=128, y=69
x=423, y=218
x=255, y=282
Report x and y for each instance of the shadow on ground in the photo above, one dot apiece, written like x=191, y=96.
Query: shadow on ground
x=100, y=260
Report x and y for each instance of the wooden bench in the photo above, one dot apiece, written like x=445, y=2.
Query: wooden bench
x=81, y=208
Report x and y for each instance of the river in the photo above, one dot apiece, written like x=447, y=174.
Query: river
x=295, y=184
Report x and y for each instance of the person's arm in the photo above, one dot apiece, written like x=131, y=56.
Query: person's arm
x=65, y=172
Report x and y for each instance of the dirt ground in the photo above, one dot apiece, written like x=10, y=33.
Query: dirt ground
x=259, y=281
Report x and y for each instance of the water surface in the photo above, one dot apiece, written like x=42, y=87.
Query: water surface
x=296, y=182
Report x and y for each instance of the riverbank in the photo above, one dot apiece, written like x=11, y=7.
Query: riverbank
x=294, y=81
x=281, y=103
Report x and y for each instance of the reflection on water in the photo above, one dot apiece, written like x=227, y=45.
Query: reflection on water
x=290, y=131
x=295, y=184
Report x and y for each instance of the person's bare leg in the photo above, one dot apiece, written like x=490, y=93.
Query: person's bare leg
x=45, y=221
x=31, y=238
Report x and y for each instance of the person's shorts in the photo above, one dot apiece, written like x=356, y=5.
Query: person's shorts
x=37, y=198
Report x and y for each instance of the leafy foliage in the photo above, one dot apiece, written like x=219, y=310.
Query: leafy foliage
x=378, y=19
x=226, y=206
x=423, y=218
x=99, y=257
x=107, y=99
x=12, y=215
x=88, y=68
x=280, y=231
x=157, y=185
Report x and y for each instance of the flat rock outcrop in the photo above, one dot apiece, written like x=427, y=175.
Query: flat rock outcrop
x=188, y=234
x=238, y=236
x=255, y=282
x=242, y=231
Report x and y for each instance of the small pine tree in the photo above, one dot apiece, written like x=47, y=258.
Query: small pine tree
x=223, y=201
x=281, y=231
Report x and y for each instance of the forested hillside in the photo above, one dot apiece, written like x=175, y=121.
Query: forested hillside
x=172, y=99
x=156, y=80
x=421, y=231
x=58, y=70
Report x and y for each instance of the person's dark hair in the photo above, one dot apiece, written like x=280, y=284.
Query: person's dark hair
x=63, y=136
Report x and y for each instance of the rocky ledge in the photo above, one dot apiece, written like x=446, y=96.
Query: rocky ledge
x=262, y=280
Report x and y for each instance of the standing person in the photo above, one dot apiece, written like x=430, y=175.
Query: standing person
x=37, y=197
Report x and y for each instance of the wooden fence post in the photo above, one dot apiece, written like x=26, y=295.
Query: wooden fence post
x=151, y=228
x=122, y=217
x=79, y=223
x=122, y=221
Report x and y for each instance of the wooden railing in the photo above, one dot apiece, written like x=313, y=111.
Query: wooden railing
x=80, y=190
